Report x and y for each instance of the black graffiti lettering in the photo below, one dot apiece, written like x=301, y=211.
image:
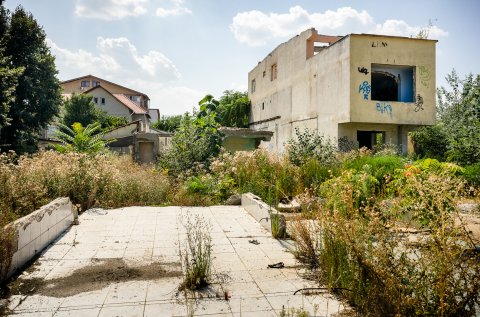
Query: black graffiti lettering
x=379, y=44
x=363, y=70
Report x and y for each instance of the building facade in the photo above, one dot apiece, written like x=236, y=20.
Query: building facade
x=365, y=88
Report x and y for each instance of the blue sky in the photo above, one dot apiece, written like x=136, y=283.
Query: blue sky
x=176, y=51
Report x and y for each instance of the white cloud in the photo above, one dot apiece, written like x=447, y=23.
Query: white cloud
x=257, y=28
x=118, y=60
x=110, y=9
x=115, y=57
x=177, y=9
x=401, y=28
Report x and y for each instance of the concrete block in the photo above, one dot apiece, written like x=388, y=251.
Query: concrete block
x=38, y=229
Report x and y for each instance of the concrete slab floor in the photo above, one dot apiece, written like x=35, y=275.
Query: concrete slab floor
x=139, y=246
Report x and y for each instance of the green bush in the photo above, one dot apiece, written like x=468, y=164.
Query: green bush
x=267, y=175
x=370, y=256
x=472, y=174
x=431, y=142
x=308, y=145
x=380, y=167
x=313, y=173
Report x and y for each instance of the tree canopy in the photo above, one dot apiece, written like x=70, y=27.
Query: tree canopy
x=35, y=100
x=233, y=109
x=456, y=135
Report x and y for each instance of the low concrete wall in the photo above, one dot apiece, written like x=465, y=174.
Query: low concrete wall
x=263, y=213
x=37, y=230
x=258, y=209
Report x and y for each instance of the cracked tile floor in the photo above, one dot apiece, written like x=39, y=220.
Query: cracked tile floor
x=143, y=235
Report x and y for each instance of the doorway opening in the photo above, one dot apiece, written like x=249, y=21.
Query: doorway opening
x=370, y=139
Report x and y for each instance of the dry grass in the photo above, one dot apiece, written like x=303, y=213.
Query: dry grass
x=104, y=180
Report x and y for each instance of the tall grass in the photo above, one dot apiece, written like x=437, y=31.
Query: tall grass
x=369, y=253
x=29, y=182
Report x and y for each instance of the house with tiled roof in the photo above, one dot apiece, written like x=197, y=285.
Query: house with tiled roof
x=136, y=137
x=110, y=97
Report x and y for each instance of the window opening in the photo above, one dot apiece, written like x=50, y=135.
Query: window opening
x=95, y=83
x=392, y=83
x=103, y=101
x=85, y=83
x=273, y=72
x=254, y=85
x=95, y=100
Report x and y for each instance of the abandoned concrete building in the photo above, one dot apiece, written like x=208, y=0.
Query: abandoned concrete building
x=366, y=88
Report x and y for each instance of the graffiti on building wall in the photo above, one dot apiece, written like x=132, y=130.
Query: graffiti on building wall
x=379, y=44
x=365, y=88
x=419, y=103
x=363, y=70
x=384, y=108
x=424, y=75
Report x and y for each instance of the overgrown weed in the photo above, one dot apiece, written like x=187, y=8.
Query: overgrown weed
x=196, y=253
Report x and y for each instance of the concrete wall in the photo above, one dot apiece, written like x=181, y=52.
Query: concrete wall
x=37, y=230
x=367, y=50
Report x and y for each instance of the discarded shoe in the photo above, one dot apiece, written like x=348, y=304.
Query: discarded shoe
x=278, y=265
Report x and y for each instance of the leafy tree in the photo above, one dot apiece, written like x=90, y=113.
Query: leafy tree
x=108, y=121
x=189, y=148
x=458, y=116
x=37, y=95
x=80, y=139
x=168, y=123
x=8, y=83
x=233, y=109
x=79, y=108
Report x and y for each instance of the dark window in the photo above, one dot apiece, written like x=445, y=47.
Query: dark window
x=95, y=83
x=103, y=101
x=263, y=106
x=85, y=83
x=369, y=139
x=273, y=72
x=393, y=83
x=95, y=100
x=254, y=85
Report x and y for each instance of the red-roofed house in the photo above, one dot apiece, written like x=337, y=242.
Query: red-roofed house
x=135, y=138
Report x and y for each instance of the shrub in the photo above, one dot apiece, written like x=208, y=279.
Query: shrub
x=313, y=172
x=267, y=175
x=472, y=174
x=309, y=144
x=380, y=167
x=430, y=141
x=371, y=257
x=192, y=146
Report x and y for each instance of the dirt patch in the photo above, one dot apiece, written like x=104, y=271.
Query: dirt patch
x=94, y=277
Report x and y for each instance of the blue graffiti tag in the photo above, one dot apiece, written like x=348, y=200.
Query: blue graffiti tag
x=365, y=88
x=384, y=108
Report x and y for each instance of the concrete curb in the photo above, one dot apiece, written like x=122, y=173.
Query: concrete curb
x=263, y=213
